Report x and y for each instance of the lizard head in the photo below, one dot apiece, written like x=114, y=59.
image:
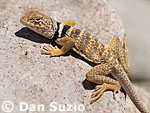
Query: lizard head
x=40, y=23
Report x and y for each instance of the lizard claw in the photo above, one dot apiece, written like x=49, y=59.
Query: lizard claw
x=100, y=90
x=50, y=50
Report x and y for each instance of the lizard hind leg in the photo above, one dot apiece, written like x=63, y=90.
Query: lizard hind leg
x=98, y=75
x=120, y=51
x=68, y=22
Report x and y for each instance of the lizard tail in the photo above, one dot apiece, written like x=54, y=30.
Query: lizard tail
x=134, y=97
x=122, y=77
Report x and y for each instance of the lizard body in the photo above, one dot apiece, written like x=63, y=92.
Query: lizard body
x=112, y=60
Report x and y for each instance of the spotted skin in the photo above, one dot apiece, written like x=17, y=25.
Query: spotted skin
x=112, y=60
x=86, y=45
x=120, y=52
x=44, y=25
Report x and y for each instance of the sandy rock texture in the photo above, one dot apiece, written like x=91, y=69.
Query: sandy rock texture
x=27, y=76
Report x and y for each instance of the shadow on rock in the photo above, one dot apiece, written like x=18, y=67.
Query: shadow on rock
x=31, y=35
x=88, y=85
x=76, y=55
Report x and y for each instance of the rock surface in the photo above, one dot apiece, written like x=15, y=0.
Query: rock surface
x=27, y=76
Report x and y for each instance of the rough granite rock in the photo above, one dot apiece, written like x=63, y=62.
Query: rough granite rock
x=27, y=76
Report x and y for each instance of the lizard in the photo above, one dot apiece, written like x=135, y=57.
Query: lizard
x=112, y=60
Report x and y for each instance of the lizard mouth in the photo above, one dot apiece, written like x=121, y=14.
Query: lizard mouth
x=23, y=19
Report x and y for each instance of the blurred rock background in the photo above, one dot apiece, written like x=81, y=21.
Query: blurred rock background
x=136, y=19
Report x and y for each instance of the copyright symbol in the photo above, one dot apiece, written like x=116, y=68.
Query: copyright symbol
x=7, y=106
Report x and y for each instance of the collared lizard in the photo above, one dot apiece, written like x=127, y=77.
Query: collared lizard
x=112, y=60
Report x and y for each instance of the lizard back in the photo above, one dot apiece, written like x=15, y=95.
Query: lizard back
x=86, y=45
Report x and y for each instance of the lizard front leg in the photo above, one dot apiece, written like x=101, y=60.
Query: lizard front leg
x=68, y=22
x=66, y=42
x=98, y=75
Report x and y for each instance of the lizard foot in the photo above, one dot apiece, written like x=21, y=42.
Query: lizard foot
x=101, y=88
x=50, y=50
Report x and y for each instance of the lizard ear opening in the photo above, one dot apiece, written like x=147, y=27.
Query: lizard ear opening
x=37, y=19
